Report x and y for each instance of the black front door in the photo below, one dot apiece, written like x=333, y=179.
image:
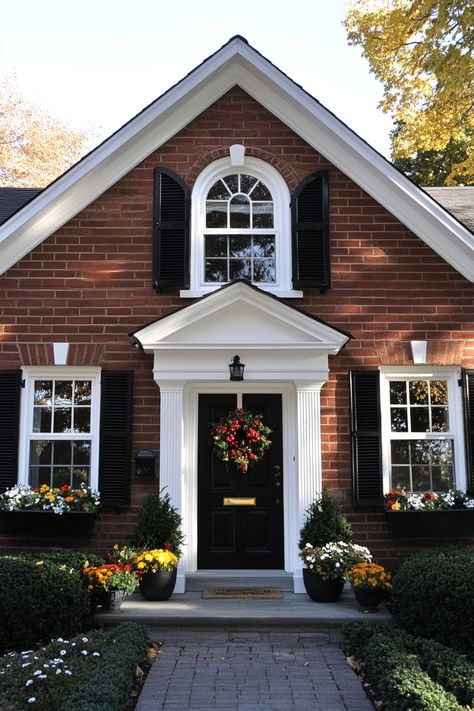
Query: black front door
x=233, y=533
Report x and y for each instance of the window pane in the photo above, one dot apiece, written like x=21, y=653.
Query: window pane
x=239, y=269
x=42, y=419
x=80, y=475
x=439, y=392
x=232, y=182
x=40, y=452
x=63, y=393
x=83, y=392
x=263, y=246
x=400, y=451
x=62, y=420
x=216, y=214
x=261, y=192
x=442, y=478
x=401, y=478
x=219, y=192
x=442, y=451
x=420, y=451
x=81, y=452
x=439, y=419
x=239, y=246
x=421, y=478
x=420, y=419
x=264, y=270
x=39, y=475
x=216, y=270
x=82, y=419
x=62, y=452
x=398, y=393
x=399, y=421
x=239, y=211
x=216, y=245
x=246, y=183
x=61, y=476
x=43, y=392
x=418, y=392
x=262, y=214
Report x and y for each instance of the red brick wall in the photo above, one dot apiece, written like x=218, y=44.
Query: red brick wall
x=90, y=284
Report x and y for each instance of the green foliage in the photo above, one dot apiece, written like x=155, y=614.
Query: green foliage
x=432, y=590
x=158, y=523
x=85, y=673
x=108, y=686
x=38, y=602
x=409, y=673
x=71, y=559
x=324, y=523
x=431, y=168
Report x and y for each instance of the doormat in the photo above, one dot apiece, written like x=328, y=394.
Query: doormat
x=242, y=593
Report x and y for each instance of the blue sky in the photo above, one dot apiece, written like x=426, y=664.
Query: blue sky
x=98, y=62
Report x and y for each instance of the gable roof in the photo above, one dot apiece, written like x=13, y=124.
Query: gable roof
x=236, y=63
x=458, y=200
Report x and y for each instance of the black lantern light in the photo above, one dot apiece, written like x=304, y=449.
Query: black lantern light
x=236, y=369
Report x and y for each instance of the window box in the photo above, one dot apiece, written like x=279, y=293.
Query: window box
x=426, y=524
x=47, y=523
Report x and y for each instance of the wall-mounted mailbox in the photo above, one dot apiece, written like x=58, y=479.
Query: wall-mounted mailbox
x=145, y=462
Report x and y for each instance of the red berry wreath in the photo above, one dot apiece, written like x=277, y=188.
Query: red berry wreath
x=240, y=439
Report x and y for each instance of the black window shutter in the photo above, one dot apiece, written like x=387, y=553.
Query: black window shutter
x=10, y=389
x=366, y=438
x=171, y=210
x=310, y=233
x=115, y=437
x=468, y=387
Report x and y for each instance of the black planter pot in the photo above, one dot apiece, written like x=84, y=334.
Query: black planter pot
x=442, y=524
x=368, y=600
x=158, y=586
x=321, y=590
x=47, y=523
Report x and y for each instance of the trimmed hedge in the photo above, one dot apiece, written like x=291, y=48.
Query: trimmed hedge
x=432, y=591
x=110, y=683
x=410, y=674
x=38, y=602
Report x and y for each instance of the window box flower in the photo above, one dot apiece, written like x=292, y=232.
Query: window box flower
x=429, y=514
x=48, y=512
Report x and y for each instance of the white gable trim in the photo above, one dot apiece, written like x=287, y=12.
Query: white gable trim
x=236, y=64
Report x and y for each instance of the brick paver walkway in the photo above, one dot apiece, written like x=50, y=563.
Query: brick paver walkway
x=273, y=675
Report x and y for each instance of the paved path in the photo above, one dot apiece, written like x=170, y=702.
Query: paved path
x=200, y=670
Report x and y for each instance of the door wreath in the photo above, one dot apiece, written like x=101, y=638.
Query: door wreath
x=240, y=439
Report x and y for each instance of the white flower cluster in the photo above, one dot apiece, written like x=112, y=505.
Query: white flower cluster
x=334, y=559
x=443, y=500
x=24, y=497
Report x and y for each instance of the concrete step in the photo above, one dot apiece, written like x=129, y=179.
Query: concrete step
x=205, y=579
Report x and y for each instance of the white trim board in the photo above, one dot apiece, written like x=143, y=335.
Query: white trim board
x=236, y=63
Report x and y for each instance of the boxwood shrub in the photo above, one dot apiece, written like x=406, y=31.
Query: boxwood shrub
x=431, y=592
x=38, y=602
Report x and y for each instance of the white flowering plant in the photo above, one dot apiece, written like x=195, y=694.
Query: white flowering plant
x=401, y=500
x=333, y=560
x=44, y=498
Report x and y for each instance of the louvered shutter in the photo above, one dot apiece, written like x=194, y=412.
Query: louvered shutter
x=10, y=388
x=115, y=437
x=366, y=438
x=170, y=231
x=310, y=233
x=468, y=385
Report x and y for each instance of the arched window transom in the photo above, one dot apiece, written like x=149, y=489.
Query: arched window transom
x=239, y=239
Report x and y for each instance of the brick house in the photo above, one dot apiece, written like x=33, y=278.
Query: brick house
x=236, y=215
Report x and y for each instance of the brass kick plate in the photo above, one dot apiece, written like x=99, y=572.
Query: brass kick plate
x=239, y=501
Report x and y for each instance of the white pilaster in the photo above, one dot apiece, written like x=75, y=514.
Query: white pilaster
x=308, y=408
x=171, y=452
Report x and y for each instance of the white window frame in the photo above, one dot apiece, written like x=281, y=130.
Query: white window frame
x=32, y=373
x=456, y=424
x=282, y=286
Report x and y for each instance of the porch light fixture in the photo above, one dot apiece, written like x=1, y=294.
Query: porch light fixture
x=236, y=369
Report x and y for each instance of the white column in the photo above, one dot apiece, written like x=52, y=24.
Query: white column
x=308, y=408
x=171, y=452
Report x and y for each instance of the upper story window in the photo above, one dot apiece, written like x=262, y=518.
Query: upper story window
x=239, y=241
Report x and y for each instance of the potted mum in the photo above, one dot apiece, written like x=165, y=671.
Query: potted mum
x=156, y=570
x=429, y=513
x=325, y=568
x=370, y=582
x=109, y=584
x=44, y=510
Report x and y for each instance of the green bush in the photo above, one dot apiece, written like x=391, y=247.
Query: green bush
x=432, y=590
x=70, y=558
x=38, y=602
x=158, y=523
x=109, y=685
x=450, y=669
x=324, y=523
